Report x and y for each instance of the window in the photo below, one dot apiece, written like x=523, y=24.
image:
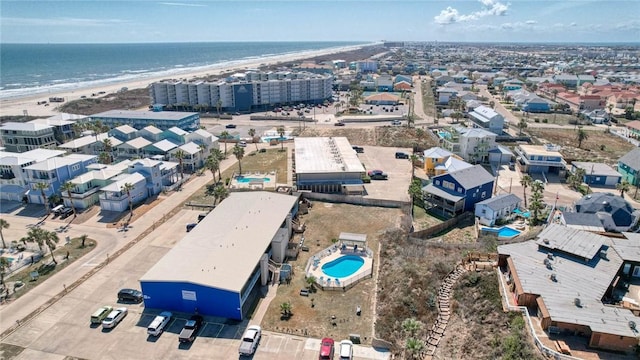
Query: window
x=484, y=194
x=437, y=182
x=448, y=185
x=460, y=190
x=75, y=167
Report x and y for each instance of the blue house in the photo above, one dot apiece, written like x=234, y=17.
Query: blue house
x=456, y=192
x=400, y=78
x=629, y=166
x=384, y=83
x=55, y=172
x=597, y=174
x=536, y=105
x=218, y=268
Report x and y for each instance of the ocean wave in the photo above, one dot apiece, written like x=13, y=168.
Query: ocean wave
x=96, y=80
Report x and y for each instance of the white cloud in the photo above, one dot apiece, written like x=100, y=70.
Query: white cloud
x=63, y=21
x=490, y=8
x=573, y=24
x=182, y=4
x=530, y=22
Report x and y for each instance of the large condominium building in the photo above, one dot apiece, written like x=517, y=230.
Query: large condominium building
x=21, y=137
x=245, y=92
x=162, y=120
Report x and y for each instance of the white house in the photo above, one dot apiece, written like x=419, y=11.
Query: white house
x=496, y=208
x=113, y=196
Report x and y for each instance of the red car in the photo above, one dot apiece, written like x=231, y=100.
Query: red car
x=326, y=349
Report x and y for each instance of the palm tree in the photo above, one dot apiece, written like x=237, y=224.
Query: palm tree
x=252, y=133
x=4, y=265
x=218, y=155
x=522, y=124
x=51, y=239
x=239, y=154
x=525, y=181
x=537, y=203
x=218, y=106
x=225, y=136
x=311, y=282
x=414, y=347
x=212, y=164
x=219, y=193
x=285, y=309
x=68, y=186
x=411, y=326
x=582, y=136
x=281, y=133
x=127, y=187
x=104, y=158
x=180, y=154
x=108, y=147
x=42, y=186
x=492, y=104
x=623, y=186
x=413, y=159
x=576, y=179
x=35, y=235
x=3, y=225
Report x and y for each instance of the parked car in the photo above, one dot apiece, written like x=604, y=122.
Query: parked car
x=326, y=349
x=190, y=329
x=339, y=124
x=159, y=323
x=100, y=314
x=230, y=126
x=130, y=295
x=377, y=175
x=56, y=210
x=346, y=350
x=358, y=149
x=250, y=340
x=242, y=143
x=191, y=226
x=396, y=123
x=401, y=155
x=114, y=318
x=65, y=213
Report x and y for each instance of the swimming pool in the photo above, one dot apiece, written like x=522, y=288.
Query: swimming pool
x=525, y=214
x=343, y=266
x=503, y=232
x=444, y=135
x=246, y=179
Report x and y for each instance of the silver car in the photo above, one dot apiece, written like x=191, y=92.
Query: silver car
x=114, y=317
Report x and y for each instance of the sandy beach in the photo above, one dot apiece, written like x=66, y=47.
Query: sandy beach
x=18, y=106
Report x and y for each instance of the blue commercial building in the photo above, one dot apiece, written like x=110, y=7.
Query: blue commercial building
x=163, y=120
x=458, y=191
x=217, y=268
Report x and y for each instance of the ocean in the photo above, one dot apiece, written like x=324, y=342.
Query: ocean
x=29, y=69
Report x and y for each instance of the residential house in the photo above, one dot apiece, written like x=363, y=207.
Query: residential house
x=497, y=208
x=443, y=79
x=472, y=144
x=92, y=145
x=568, y=80
x=54, y=172
x=402, y=86
x=564, y=276
x=629, y=167
x=13, y=176
x=540, y=159
x=382, y=99
x=151, y=133
x=158, y=174
x=133, y=149
x=445, y=94
x=500, y=155
x=615, y=213
x=62, y=129
x=633, y=129
x=597, y=174
x=203, y=138
x=598, y=116
x=453, y=163
x=124, y=133
x=176, y=135
x=591, y=102
x=193, y=156
x=435, y=160
x=86, y=189
x=484, y=117
x=384, y=83
x=512, y=84
x=456, y=192
x=113, y=197
x=530, y=102
x=403, y=78
x=20, y=137
x=159, y=150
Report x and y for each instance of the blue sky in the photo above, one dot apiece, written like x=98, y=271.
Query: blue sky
x=92, y=21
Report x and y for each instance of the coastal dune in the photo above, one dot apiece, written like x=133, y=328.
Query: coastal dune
x=28, y=105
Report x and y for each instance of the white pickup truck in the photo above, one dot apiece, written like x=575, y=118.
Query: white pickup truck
x=250, y=340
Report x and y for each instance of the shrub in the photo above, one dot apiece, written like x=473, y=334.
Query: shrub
x=545, y=121
x=226, y=181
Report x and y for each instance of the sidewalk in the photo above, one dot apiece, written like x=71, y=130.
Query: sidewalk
x=109, y=241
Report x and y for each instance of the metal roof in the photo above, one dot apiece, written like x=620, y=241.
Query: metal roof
x=138, y=143
x=326, y=155
x=632, y=159
x=629, y=248
x=575, y=279
x=353, y=237
x=595, y=168
x=58, y=162
x=122, y=179
x=501, y=201
x=16, y=126
x=471, y=177
x=165, y=145
x=575, y=242
x=436, y=152
x=224, y=249
x=146, y=115
x=432, y=189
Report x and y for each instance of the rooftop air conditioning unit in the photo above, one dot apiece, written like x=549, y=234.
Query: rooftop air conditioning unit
x=632, y=325
x=603, y=254
x=549, y=255
x=577, y=302
x=546, y=241
x=553, y=278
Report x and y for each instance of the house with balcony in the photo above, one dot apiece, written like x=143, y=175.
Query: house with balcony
x=91, y=145
x=158, y=174
x=471, y=144
x=151, y=133
x=597, y=174
x=193, y=156
x=54, y=172
x=14, y=182
x=159, y=150
x=533, y=159
x=633, y=129
x=113, y=197
x=20, y=137
x=86, y=187
x=62, y=129
x=456, y=192
x=484, y=117
x=133, y=149
x=497, y=208
x=176, y=135
x=203, y=137
x=433, y=157
x=629, y=167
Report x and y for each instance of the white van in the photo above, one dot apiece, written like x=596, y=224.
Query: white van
x=158, y=324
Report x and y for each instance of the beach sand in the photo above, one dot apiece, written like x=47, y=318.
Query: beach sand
x=28, y=104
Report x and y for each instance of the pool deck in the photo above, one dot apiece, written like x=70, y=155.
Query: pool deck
x=322, y=278
x=255, y=184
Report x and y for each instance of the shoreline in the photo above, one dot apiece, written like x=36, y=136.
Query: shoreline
x=27, y=104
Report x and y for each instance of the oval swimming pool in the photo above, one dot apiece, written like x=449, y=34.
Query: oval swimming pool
x=343, y=266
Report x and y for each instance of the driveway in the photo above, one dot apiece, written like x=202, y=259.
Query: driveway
x=398, y=171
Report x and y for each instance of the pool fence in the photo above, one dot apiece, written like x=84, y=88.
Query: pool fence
x=343, y=285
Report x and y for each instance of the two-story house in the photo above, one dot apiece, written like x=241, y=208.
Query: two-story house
x=13, y=176
x=456, y=192
x=205, y=138
x=496, y=208
x=629, y=167
x=540, y=159
x=151, y=133
x=21, y=137
x=124, y=133
x=193, y=156
x=133, y=149
x=486, y=118
x=114, y=196
x=54, y=172
x=86, y=187
x=158, y=174
x=439, y=161
x=160, y=150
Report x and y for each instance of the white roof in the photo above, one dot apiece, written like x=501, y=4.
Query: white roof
x=224, y=249
x=24, y=126
x=126, y=129
x=177, y=130
x=36, y=155
x=437, y=152
x=88, y=140
x=138, y=143
x=58, y=162
x=190, y=148
x=539, y=150
x=165, y=145
x=102, y=174
x=68, y=117
x=326, y=155
x=152, y=129
x=150, y=115
x=51, y=122
x=117, y=185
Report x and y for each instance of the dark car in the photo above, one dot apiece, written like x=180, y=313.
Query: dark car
x=358, y=149
x=230, y=126
x=190, y=329
x=338, y=124
x=65, y=213
x=130, y=295
x=401, y=155
x=191, y=226
x=377, y=175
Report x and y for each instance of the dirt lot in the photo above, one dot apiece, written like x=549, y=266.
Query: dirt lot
x=391, y=136
x=599, y=147
x=324, y=222
x=128, y=100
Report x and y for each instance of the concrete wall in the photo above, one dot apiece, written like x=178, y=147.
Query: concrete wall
x=613, y=342
x=357, y=200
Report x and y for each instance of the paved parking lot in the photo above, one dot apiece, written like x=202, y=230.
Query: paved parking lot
x=64, y=330
x=398, y=171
